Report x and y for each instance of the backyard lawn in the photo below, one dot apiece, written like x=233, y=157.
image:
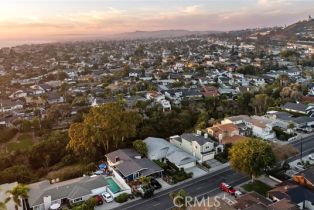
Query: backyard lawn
x=23, y=142
x=258, y=187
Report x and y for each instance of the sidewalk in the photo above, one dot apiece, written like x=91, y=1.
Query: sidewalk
x=165, y=186
x=268, y=181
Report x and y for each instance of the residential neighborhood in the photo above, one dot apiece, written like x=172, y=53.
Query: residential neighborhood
x=160, y=120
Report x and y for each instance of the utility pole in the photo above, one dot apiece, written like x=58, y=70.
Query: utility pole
x=301, y=154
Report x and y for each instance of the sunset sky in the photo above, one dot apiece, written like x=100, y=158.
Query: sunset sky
x=59, y=19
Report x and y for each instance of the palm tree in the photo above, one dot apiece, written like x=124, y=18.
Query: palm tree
x=17, y=194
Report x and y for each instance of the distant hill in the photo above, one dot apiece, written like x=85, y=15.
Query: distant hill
x=302, y=30
x=159, y=34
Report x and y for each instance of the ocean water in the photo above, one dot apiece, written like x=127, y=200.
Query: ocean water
x=17, y=43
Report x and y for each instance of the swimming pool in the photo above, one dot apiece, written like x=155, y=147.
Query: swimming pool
x=113, y=186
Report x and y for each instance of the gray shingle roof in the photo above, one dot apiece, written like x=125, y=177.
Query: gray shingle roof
x=129, y=164
x=159, y=148
x=294, y=106
x=71, y=189
x=194, y=137
x=299, y=194
x=284, y=116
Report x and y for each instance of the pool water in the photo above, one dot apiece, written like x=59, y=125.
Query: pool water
x=113, y=186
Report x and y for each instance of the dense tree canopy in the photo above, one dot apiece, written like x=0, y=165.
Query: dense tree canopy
x=251, y=157
x=106, y=127
x=49, y=151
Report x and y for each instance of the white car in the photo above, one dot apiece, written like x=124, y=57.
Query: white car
x=107, y=197
x=311, y=157
x=237, y=193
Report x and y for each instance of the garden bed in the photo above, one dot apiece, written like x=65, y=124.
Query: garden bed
x=172, y=174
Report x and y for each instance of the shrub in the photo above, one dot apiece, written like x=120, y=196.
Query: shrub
x=63, y=175
x=281, y=135
x=206, y=165
x=161, y=164
x=6, y=134
x=19, y=173
x=122, y=198
x=85, y=205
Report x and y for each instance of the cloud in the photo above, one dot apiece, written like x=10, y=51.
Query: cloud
x=113, y=19
x=194, y=9
x=272, y=3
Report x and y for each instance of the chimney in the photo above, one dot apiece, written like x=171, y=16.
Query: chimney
x=206, y=135
x=198, y=132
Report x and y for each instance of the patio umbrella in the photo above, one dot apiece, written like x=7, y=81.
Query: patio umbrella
x=102, y=166
x=55, y=206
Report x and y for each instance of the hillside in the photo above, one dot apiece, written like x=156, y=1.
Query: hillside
x=160, y=34
x=302, y=30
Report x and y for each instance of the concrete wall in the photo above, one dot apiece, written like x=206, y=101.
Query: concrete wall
x=121, y=182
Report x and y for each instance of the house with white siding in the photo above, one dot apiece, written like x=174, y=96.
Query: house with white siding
x=200, y=147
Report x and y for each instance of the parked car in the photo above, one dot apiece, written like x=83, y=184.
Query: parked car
x=155, y=184
x=98, y=199
x=311, y=157
x=229, y=189
x=146, y=191
x=107, y=197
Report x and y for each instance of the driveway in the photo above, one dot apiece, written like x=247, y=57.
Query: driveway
x=197, y=172
x=213, y=163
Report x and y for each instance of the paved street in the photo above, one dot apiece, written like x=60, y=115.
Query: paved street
x=206, y=185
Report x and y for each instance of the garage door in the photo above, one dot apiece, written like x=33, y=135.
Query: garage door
x=188, y=165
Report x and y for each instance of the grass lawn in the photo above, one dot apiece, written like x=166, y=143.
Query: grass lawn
x=24, y=142
x=258, y=187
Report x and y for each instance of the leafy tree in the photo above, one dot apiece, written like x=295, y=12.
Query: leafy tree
x=178, y=198
x=17, y=194
x=260, y=103
x=283, y=152
x=145, y=180
x=19, y=173
x=106, y=127
x=251, y=156
x=202, y=121
x=140, y=147
x=243, y=101
x=49, y=151
x=6, y=134
x=247, y=69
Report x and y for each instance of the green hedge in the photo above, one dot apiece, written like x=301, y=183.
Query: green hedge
x=281, y=135
x=122, y=198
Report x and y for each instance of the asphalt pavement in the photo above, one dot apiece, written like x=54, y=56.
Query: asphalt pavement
x=207, y=185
